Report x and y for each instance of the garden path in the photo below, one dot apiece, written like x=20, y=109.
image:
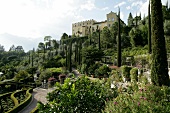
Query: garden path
x=39, y=94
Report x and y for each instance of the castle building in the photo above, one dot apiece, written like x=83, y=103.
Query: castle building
x=84, y=28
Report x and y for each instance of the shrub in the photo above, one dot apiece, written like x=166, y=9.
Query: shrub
x=126, y=71
x=147, y=99
x=134, y=74
x=81, y=95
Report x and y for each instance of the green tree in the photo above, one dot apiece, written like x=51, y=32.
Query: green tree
x=119, y=43
x=159, y=66
x=135, y=37
x=41, y=46
x=149, y=29
x=130, y=20
x=21, y=75
x=64, y=36
x=78, y=96
x=106, y=37
x=47, y=40
x=167, y=27
x=2, y=48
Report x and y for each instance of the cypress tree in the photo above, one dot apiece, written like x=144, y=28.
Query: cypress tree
x=29, y=57
x=32, y=60
x=75, y=54
x=159, y=66
x=66, y=57
x=136, y=20
x=130, y=20
x=98, y=30
x=79, y=56
x=69, y=59
x=119, y=43
x=149, y=30
x=90, y=34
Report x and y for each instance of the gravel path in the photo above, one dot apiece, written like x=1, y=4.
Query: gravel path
x=39, y=94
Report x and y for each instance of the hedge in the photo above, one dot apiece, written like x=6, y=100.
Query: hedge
x=23, y=104
x=5, y=95
x=35, y=110
x=126, y=71
x=14, y=99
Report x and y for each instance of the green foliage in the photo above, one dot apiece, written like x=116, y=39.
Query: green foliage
x=81, y=95
x=149, y=29
x=130, y=20
x=135, y=51
x=56, y=61
x=167, y=27
x=45, y=75
x=134, y=74
x=146, y=99
x=92, y=68
x=126, y=71
x=55, y=71
x=23, y=104
x=90, y=55
x=103, y=71
x=106, y=38
x=21, y=75
x=159, y=70
x=135, y=37
x=119, y=54
x=116, y=75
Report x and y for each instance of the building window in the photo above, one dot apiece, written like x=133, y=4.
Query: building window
x=109, y=25
x=113, y=19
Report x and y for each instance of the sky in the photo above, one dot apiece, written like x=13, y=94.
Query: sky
x=26, y=22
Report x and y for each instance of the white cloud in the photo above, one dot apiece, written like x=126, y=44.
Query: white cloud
x=89, y=5
x=122, y=15
x=37, y=18
x=128, y=7
x=120, y=4
x=105, y=8
x=34, y=18
x=144, y=8
x=137, y=3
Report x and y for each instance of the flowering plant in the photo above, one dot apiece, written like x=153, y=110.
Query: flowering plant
x=149, y=98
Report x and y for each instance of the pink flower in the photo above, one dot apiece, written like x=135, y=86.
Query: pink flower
x=115, y=103
x=144, y=98
x=138, y=103
x=141, y=90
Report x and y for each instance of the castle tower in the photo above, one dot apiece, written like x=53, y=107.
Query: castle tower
x=111, y=18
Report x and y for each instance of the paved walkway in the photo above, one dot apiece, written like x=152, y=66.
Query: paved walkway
x=39, y=94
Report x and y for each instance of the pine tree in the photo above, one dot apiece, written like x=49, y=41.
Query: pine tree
x=159, y=66
x=119, y=43
x=149, y=30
